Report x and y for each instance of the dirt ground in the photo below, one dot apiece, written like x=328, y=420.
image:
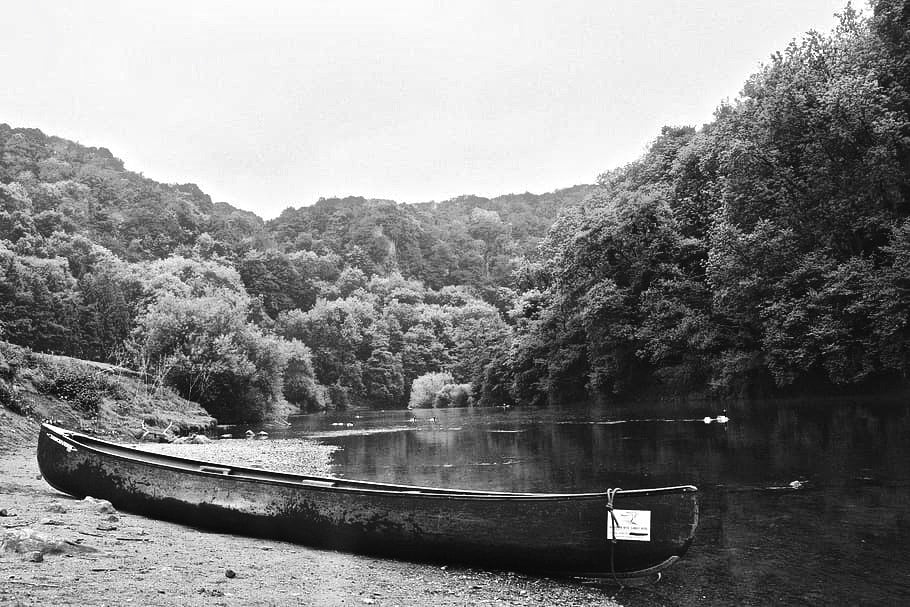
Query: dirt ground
x=78, y=552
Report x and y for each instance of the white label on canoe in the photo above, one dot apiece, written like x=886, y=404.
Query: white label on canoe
x=69, y=448
x=632, y=525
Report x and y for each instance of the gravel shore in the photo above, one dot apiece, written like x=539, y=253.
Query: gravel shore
x=283, y=455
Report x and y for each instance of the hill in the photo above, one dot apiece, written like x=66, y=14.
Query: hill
x=50, y=184
x=101, y=263
x=465, y=240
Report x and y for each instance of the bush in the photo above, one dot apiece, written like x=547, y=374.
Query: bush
x=426, y=387
x=339, y=396
x=300, y=387
x=12, y=358
x=210, y=354
x=9, y=400
x=84, y=389
x=6, y=395
x=453, y=395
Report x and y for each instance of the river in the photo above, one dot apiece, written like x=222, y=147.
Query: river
x=802, y=503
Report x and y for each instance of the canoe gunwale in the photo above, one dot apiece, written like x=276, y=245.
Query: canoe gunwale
x=106, y=449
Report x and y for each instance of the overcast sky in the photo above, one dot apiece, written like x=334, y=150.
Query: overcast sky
x=268, y=105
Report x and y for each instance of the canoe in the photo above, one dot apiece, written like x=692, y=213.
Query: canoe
x=621, y=533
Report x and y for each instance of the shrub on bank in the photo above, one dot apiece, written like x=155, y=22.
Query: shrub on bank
x=300, y=387
x=84, y=388
x=205, y=349
x=453, y=395
x=439, y=390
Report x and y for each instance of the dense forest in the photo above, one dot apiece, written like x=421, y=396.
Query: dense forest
x=766, y=252
x=343, y=303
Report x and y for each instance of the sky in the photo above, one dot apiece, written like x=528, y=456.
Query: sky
x=270, y=105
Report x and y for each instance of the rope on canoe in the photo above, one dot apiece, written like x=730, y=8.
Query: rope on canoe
x=611, y=493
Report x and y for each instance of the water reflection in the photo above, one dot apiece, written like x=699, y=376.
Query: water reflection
x=801, y=503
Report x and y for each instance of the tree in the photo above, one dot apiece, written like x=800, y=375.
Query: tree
x=211, y=355
x=276, y=279
x=338, y=333
x=38, y=302
x=426, y=387
x=194, y=330
x=477, y=332
x=300, y=386
x=383, y=380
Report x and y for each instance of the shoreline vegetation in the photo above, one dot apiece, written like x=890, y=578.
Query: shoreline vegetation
x=96, y=398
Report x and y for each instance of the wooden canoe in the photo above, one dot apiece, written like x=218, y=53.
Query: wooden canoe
x=559, y=534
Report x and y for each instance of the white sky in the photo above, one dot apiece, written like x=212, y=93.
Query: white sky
x=273, y=104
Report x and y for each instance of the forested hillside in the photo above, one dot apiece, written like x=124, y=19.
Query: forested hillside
x=468, y=240
x=765, y=252
x=102, y=263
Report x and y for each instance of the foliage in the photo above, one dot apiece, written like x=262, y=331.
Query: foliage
x=195, y=331
x=371, y=344
x=84, y=388
x=103, y=263
x=467, y=240
x=8, y=397
x=764, y=251
x=426, y=387
x=453, y=395
x=299, y=382
x=38, y=301
x=767, y=251
x=383, y=380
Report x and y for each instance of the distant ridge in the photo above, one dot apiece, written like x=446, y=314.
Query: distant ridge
x=58, y=184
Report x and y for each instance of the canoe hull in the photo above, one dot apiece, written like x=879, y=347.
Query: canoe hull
x=564, y=534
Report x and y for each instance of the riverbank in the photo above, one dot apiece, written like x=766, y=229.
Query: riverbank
x=96, y=398
x=98, y=557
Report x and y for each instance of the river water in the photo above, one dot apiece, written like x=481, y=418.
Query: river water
x=801, y=503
